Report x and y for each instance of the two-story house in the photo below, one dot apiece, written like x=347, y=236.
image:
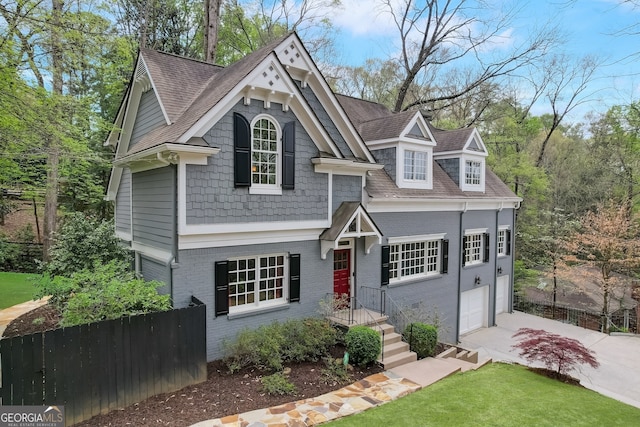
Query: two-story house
x=259, y=191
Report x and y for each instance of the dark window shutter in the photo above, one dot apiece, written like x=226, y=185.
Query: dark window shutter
x=464, y=249
x=222, y=288
x=242, y=151
x=486, y=247
x=384, y=274
x=294, y=277
x=289, y=156
x=507, y=242
x=444, y=263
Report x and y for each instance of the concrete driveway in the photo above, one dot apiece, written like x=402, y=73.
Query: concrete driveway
x=619, y=356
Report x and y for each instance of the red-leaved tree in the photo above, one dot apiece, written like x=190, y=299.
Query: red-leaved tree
x=558, y=353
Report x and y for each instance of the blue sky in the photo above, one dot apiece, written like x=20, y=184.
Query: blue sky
x=590, y=27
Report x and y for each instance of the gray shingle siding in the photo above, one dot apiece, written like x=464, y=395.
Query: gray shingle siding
x=327, y=123
x=195, y=273
x=148, y=118
x=387, y=157
x=346, y=189
x=452, y=168
x=123, y=203
x=154, y=213
x=212, y=198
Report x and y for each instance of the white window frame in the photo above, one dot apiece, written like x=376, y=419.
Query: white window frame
x=472, y=186
x=470, y=258
x=398, y=257
x=501, y=244
x=256, y=304
x=276, y=188
x=404, y=182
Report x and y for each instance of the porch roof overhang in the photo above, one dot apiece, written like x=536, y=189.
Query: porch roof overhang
x=350, y=220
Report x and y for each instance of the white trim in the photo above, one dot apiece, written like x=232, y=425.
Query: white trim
x=257, y=304
x=421, y=238
x=475, y=231
x=401, y=181
x=325, y=95
x=436, y=205
x=275, y=188
x=150, y=252
x=155, y=90
x=221, y=239
x=297, y=103
x=251, y=227
x=123, y=235
x=343, y=166
x=464, y=186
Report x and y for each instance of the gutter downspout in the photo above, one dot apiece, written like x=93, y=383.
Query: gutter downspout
x=461, y=253
x=512, y=285
x=495, y=265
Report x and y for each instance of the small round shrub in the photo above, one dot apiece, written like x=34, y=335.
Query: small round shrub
x=363, y=345
x=422, y=339
x=277, y=384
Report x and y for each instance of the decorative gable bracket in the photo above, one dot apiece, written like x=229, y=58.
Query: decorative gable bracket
x=349, y=220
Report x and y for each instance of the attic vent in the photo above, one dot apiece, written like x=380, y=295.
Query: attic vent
x=141, y=72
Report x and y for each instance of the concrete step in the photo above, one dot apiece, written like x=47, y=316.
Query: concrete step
x=392, y=337
x=396, y=360
x=395, y=348
x=427, y=371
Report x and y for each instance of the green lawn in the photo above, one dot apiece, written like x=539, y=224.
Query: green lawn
x=498, y=395
x=15, y=288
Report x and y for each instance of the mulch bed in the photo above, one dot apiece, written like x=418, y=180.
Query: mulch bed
x=222, y=394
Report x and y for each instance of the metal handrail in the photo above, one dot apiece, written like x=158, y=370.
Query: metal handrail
x=345, y=309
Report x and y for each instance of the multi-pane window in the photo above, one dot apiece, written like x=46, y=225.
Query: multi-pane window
x=502, y=242
x=256, y=280
x=472, y=172
x=264, y=155
x=473, y=248
x=415, y=165
x=411, y=259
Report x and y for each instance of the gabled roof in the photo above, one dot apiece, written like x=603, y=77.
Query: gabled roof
x=220, y=82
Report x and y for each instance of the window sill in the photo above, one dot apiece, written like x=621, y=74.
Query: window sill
x=413, y=280
x=258, y=311
x=275, y=191
x=475, y=264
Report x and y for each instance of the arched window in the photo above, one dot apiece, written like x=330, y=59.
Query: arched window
x=265, y=152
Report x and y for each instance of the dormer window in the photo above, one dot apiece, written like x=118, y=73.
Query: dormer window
x=472, y=172
x=413, y=166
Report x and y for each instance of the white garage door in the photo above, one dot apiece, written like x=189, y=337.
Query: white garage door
x=502, y=294
x=473, y=309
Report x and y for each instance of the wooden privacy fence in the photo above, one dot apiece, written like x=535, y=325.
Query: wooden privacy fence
x=98, y=367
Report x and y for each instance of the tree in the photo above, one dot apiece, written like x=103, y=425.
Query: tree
x=616, y=141
x=557, y=353
x=211, y=23
x=607, y=244
x=437, y=35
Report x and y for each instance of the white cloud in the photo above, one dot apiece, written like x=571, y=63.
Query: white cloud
x=364, y=18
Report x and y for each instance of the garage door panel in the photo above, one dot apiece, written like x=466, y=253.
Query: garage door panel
x=473, y=309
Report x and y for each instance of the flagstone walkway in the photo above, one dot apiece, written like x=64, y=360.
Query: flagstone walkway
x=10, y=313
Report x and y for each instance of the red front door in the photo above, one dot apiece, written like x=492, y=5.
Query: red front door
x=342, y=272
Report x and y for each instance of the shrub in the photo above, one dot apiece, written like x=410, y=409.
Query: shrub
x=104, y=292
x=271, y=346
x=277, y=384
x=363, y=345
x=422, y=339
x=307, y=339
x=81, y=242
x=557, y=353
x=335, y=372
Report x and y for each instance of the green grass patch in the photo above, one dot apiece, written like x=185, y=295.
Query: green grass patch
x=498, y=395
x=15, y=288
